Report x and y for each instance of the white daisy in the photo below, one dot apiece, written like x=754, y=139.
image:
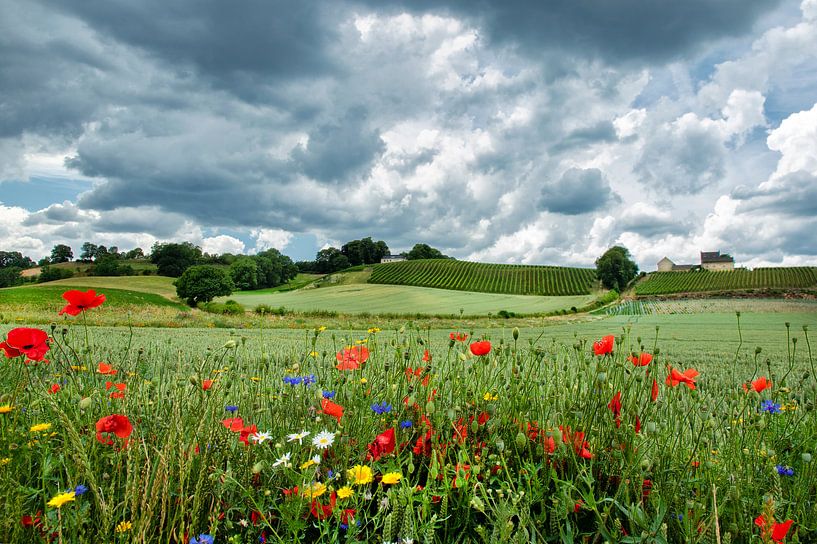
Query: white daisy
x=261, y=437
x=316, y=459
x=297, y=436
x=283, y=460
x=323, y=439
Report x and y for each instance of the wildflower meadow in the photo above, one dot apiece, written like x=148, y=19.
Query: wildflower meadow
x=401, y=435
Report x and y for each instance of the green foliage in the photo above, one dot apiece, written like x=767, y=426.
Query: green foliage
x=364, y=251
x=173, y=259
x=487, y=278
x=53, y=273
x=61, y=253
x=229, y=307
x=203, y=283
x=615, y=268
x=330, y=260
x=244, y=273
x=424, y=251
x=15, y=259
x=110, y=265
x=661, y=283
x=10, y=276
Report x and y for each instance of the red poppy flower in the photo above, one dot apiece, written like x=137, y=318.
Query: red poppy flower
x=33, y=343
x=426, y=356
x=646, y=488
x=687, y=377
x=481, y=348
x=206, y=384
x=235, y=424
x=637, y=425
x=116, y=424
x=352, y=357
x=777, y=531
x=578, y=442
x=642, y=360
x=323, y=511
x=761, y=384
x=79, y=301
x=383, y=444
x=54, y=388
x=615, y=406
x=654, y=391
x=605, y=345
x=332, y=409
x=459, y=337
x=105, y=368
x=245, y=434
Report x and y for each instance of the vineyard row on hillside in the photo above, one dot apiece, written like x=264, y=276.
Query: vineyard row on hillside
x=487, y=278
x=662, y=283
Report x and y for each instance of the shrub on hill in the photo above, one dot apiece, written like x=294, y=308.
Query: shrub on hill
x=48, y=273
x=202, y=283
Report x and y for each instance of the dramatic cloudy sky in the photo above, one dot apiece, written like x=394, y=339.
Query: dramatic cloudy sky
x=504, y=131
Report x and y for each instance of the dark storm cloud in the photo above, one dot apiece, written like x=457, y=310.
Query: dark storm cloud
x=235, y=46
x=621, y=31
x=793, y=195
x=577, y=191
x=339, y=149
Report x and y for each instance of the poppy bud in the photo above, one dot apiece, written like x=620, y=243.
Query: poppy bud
x=230, y=344
x=500, y=445
x=85, y=403
x=258, y=467
x=758, y=350
x=450, y=414
x=806, y=457
x=601, y=377
x=430, y=406
x=651, y=427
x=521, y=440
x=474, y=426
x=646, y=464
x=515, y=333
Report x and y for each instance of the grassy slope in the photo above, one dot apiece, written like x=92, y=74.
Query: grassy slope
x=80, y=268
x=158, y=285
x=664, y=283
x=397, y=299
x=48, y=297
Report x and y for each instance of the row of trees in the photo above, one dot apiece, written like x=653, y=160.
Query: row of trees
x=358, y=252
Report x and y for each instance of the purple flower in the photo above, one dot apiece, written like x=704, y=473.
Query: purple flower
x=328, y=394
x=80, y=489
x=231, y=408
x=407, y=424
x=202, y=539
x=784, y=470
x=381, y=408
x=770, y=406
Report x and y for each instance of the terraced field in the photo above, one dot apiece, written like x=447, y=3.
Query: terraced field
x=487, y=278
x=663, y=283
x=708, y=306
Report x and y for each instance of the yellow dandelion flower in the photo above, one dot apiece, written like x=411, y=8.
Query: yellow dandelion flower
x=360, y=475
x=124, y=526
x=391, y=478
x=61, y=499
x=315, y=490
x=255, y=378
x=364, y=381
x=5, y=461
x=307, y=464
x=321, y=328
x=6, y=408
x=374, y=330
x=363, y=341
x=314, y=354
x=40, y=427
x=345, y=492
x=489, y=397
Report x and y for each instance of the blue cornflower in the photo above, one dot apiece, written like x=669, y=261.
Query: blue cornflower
x=784, y=470
x=407, y=424
x=770, y=406
x=293, y=380
x=308, y=380
x=230, y=408
x=80, y=489
x=381, y=408
x=202, y=539
x=328, y=394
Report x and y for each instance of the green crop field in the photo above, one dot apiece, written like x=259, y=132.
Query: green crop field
x=709, y=305
x=399, y=299
x=662, y=283
x=159, y=285
x=487, y=278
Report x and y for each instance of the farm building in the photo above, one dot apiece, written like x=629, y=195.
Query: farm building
x=715, y=260
x=710, y=260
x=392, y=258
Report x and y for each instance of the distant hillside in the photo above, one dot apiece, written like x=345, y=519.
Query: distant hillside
x=663, y=283
x=487, y=278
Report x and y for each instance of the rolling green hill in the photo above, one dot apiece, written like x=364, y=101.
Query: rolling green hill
x=663, y=283
x=487, y=278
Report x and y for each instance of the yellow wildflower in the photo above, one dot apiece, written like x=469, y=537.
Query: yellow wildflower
x=307, y=464
x=363, y=341
x=345, y=492
x=321, y=328
x=374, y=330
x=313, y=353
x=124, y=526
x=6, y=408
x=61, y=499
x=79, y=368
x=40, y=427
x=360, y=475
x=315, y=490
x=5, y=461
x=255, y=378
x=488, y=396
x=391, y=478
x=363, y=381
